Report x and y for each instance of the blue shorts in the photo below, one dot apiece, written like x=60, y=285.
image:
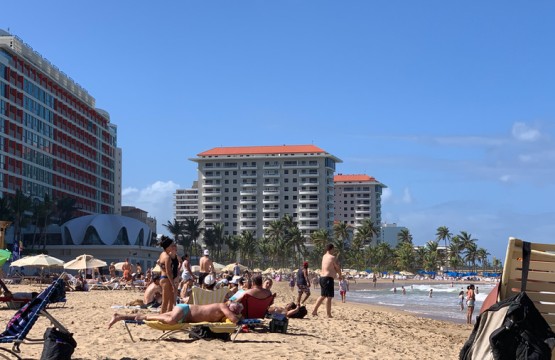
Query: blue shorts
x=185, y=309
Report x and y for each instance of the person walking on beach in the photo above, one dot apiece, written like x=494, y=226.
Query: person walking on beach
x=403, y=290
x=303, y=283
x=431, y=292
x=374, y=279
x=330, y=269
x=343, y=288
x=470, y=300
x=206, y=267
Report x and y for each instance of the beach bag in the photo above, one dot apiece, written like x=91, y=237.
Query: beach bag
x=301, y=313
x=58, y=345
x=204, y=332
x=511, y=329
x=279, y=323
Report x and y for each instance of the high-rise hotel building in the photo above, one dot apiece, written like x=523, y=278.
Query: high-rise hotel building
x=246, y=188
x=357, y=197
x=52, y=138
x=185, y=203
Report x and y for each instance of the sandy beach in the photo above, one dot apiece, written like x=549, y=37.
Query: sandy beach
x=356, y=332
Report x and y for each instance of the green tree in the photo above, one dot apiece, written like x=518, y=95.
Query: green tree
x=21, y=206
x=193, y=230
x=367, y=231
x=176, y=229
x=247, y=247
x=404, y=236
x=404, y=255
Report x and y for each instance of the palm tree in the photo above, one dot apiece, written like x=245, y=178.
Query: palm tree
x=482, y=255
x=193, y=230
x=367, y=231
x=404, y=236
x=176, y=229
x=276, y=235
x=342, y=233
x=469, y=246
x=297, y=243
x=442, y=233
x=65, y=210
x=219, y=238
x=384, y=257
x=20, y=205
x=247, y=246
x=5, y=210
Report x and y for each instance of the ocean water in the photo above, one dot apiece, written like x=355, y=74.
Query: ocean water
x=443, y=305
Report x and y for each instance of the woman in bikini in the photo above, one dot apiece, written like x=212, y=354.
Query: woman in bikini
x=166, y=275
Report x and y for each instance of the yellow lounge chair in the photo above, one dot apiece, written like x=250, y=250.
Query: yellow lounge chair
x=201, y=296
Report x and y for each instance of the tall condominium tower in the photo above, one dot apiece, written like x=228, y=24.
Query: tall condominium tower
x=246, y=188
x=357, y=197
x=185, y=203
x=52, y=138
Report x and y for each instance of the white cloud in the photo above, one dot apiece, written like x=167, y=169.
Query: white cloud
x=523, y=132
x=407, y=197
x=156, y=199
x=505, y=178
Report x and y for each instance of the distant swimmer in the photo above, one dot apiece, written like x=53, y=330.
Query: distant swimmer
x=403, y=290
x=431, y=291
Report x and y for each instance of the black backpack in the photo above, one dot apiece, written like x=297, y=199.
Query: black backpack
x=511, y=329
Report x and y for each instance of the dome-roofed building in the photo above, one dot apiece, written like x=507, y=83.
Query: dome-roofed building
x=112, y=238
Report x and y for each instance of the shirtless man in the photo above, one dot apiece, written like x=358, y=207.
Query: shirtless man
x=153, y=293
x=185, y=313
x=206, y=267
x=127, y=270
x=258, y=290
x=330, y=269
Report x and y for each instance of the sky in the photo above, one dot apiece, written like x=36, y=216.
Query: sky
x=450, y=104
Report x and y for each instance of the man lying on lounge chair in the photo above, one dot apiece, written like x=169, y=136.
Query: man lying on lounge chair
x=185, y=313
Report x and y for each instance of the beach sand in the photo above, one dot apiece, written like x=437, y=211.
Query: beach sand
x=356, y=332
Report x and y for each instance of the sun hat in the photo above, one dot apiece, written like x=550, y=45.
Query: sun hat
x=209, y=280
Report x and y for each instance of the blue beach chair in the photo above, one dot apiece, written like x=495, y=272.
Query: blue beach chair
x=21, y=323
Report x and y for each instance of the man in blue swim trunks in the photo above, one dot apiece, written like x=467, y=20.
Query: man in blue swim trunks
x=184, y=313
x=330, y=269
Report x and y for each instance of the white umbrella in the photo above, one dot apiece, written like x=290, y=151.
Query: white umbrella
x=230, y=267
x=218, y=266
x=119, y=265
x=195, y=268
x=84, y=262
x=41, y=260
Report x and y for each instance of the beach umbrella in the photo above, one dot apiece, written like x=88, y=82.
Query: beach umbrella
x=5, y=255
x=119, y=265
x=195, y=268
x=229, y=267
x=218, y=266
x=157, y=269
x=83, y=262
x=41, y=260
x=268, y=271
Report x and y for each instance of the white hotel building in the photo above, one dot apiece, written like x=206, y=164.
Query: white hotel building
x=248, y=187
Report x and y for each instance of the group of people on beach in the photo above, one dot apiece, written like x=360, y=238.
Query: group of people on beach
x=169, y=287
x=470, y=296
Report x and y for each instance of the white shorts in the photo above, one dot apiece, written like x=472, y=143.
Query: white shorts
x=185, y=276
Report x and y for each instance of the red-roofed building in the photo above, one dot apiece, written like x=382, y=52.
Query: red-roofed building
x=357, y=197
x=248, y=187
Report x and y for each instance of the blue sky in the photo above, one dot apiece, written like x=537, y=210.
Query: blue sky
x=450, y=104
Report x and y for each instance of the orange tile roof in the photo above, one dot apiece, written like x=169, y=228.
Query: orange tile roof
x=353, y=177
x=259, y=150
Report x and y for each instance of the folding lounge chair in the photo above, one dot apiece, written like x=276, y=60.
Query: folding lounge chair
x=201, y=296
x=254, y=310
x=24, y=319
x=187, y=328
x=540, y=284
x=15, y=300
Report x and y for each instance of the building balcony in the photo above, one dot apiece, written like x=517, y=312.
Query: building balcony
x=270, y=201
x=247, y=227
x=210, y=193
x=309, y=201
x=311, y=209
x=213, y=220
x=249, y=210
x=271, y=166
x=247, y=192
x=270, y=218
x=212, y=176
x=212, y=202
x=310, y=183
x=274, y=209
x=248, y=201
x=212, y=211
x=309, y=192
x=363, y=211
x=271, y=174
x=248, y=217
x=248, y=184
x=309, y=217
x=361, y=217
x=272, y=184
x=309, y=227
x=211, y=185
x=270, y=192
x=249, y=176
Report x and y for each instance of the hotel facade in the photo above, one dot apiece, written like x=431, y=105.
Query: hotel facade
x=246, y=188
x=53, y=140
x=357, y=197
